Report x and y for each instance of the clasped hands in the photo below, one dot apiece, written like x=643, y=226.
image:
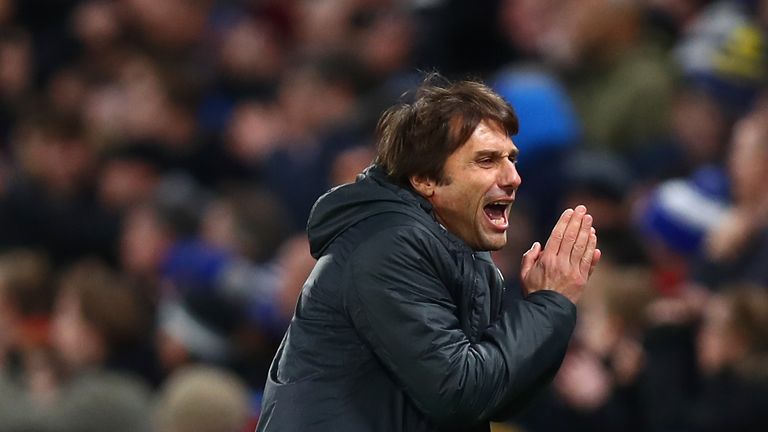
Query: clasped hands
x=567, y=260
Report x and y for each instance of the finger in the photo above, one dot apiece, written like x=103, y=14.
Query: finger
x=529, y=259
x=588, y=257
x=580, y=246
x=571, y=232
x=553, y=242
x=597, y=255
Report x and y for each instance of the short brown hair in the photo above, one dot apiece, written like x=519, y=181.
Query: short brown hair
x=416, y=138
x=108, y=301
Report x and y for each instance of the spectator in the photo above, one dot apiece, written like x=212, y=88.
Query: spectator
x=24, y=307
x=736, y=248
x=619, y=82
x=727, y=385
x=98, y=322
x=50, y=202
x=202, y=399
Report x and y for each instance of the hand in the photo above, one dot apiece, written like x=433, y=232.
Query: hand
x=726, y=240
x=567, y=260
x=684, y=308
x=582, y=382
x=627, y=361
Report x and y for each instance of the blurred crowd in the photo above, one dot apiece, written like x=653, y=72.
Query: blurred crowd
x=159, y=159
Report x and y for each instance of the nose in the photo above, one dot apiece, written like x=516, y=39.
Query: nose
x=509, y=178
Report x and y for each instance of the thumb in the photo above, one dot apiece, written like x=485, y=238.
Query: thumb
x=529, y=258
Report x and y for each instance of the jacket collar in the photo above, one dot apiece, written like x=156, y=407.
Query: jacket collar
x=407, y=194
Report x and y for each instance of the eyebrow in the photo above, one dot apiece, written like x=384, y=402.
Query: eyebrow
x=495, y=153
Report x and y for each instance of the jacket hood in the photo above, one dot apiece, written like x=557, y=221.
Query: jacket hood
x=344, y=206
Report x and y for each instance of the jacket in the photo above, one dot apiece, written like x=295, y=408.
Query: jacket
x=400, y=326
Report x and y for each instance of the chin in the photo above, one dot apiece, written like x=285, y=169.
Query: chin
x=496, y=247
x=493, y=243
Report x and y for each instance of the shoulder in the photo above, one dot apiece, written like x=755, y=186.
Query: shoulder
x=402, y=255
x=398, y=266
x=395, y=237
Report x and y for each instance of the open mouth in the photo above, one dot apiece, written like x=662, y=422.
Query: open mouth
x=497, y=213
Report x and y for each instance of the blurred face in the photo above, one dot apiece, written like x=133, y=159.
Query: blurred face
x=480, y=180
x=718, y=345
x=15, y=65
x=251, y=51
x=8, y=319
x=124, y=183
x=144, y=243
x=76, y=342
x=698, y=123
x=526, y=23
x=748, y=162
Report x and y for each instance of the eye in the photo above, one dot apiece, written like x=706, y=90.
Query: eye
x=485, y=162
x=513, y=159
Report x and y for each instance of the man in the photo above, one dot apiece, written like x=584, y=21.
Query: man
x=401, y=326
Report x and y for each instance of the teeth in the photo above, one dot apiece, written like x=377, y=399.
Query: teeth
x=494, y=217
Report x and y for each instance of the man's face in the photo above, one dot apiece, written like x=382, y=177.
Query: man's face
x=480, y=183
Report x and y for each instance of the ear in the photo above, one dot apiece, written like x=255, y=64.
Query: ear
x=423, y=186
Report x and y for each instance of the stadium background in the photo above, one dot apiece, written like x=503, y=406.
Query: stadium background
x=158, y=161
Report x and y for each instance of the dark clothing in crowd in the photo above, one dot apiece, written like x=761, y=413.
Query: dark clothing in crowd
x=620, y=413
x=66, y=228
x=677, y=396
x=401, y=326
x=729, y=402
x=748, y=267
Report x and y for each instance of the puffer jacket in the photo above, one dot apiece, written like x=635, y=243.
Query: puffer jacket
x=401, y=327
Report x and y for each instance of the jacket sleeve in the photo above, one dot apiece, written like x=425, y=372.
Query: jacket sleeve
x=404, y=311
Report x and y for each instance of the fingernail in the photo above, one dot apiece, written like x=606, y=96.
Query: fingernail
x=581, y=209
